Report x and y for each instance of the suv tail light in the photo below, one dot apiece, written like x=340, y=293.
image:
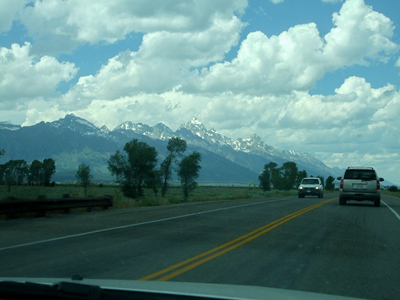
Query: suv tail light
x=378, y=185
x=341, y=184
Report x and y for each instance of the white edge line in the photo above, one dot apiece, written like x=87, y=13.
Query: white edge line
x=134, y=225
x=393, y=211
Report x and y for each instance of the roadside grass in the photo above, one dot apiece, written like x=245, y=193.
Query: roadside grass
x=174, y=194
x=74, y=191
x=394, y=194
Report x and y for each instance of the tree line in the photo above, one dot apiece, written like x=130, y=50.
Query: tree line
x=15, y=172
x=287, y=177
x=136, y=168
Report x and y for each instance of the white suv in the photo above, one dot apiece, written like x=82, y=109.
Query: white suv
x=311, y=186
x=360, y=184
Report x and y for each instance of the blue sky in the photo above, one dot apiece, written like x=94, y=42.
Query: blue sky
x=319, y=76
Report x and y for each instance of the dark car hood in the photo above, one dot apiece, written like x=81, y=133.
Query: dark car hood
x=202, y=290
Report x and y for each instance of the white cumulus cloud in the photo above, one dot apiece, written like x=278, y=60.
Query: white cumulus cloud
x=398, y=62
x=360, y=34
x=299, y=57
x=8, y=12
x=23, y=76
x=61, y=26
x=278, y=64
x=162, y=63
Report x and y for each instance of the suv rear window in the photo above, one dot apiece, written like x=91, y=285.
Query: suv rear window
x=360, y=174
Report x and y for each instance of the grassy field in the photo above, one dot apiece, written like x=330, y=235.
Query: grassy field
x=174, y=194
x=394, y=194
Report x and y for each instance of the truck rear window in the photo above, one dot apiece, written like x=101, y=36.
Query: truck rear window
x=310, y=181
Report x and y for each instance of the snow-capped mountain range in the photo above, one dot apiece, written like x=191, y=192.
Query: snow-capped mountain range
x=212, y=139
x=72, y=140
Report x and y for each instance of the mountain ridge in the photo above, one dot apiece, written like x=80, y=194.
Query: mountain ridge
x=71, y=140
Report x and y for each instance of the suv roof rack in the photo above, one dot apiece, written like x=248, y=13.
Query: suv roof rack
x=360, y=167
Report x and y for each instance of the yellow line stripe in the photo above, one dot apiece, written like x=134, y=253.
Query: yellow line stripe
x=228, y=246
x=166, y=270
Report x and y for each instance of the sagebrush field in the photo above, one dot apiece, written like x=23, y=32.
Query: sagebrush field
x=174, y=194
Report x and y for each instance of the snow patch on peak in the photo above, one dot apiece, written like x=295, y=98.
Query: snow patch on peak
x=105, y=129
x=195, y=121
x=159, y=131
x=196, y=127
x=126, y=125
x=85, y=123
x=74, y=123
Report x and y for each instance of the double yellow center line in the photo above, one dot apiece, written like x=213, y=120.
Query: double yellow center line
x=191, y=263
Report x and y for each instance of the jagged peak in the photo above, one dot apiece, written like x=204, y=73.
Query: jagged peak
x=124, y=125
x=74, y=118
x=105, y=129
x=162, y=125
x=70, y=120
x=253, y=137
x=131, y=125
x=193, y=122
x=70, y=115
x=158, y=131
x=213, y=130
x=196, y=127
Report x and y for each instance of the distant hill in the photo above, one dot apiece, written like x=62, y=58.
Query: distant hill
x=73, y=140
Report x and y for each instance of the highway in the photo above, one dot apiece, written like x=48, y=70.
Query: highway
x=307, y=244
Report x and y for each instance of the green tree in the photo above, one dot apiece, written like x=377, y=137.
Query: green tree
x=9, y=179
x=36, y=174
x=49, y=169
x=300, y=176
x=2, y=174
x=289, y=174
x=276, y=179
x=84, y=176
x=271, y=166
x=188, y=172
x=272, y=170
x=265, y=179
x=2, y=168
x=14, y=172
x=154, y=181
x=176, y=147
x=133, y=169
x=21, y=170
x=9, y=174
x=329, y=183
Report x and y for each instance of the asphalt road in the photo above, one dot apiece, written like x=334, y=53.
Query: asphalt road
x=305, y=244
